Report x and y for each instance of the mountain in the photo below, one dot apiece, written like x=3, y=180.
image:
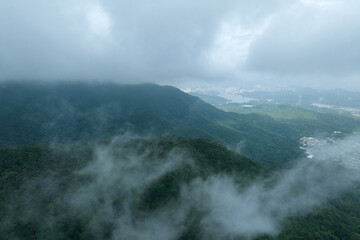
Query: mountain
x=35, y=112
x=69, y=169
x=84, y=191
x=156, y=188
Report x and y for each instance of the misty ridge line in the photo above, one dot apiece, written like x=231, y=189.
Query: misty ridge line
x=119, y=175
x=71, y=112
x=65, y=111
x=259, y=209
x=117, y=191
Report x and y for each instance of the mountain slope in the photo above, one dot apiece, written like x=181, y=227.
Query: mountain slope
x=85, y=190
x=158, y=188
x=63, y=112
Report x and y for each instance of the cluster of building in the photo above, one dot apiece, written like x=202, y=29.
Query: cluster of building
x=310, y=144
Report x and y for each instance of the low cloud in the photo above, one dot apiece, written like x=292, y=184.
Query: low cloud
x=109, y=190
x=184, y=43
x=261, y=208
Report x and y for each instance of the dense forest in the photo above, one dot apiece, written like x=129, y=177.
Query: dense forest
x=91, y=191
x=69, y=112
x=107, y=161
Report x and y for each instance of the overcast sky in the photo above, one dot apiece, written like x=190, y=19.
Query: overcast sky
x=183, y=42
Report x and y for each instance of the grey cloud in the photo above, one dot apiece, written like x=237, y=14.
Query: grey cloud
x=262, y=208
x=147, y=40
x=117, y=40
x=316, y=40
x=171, y=42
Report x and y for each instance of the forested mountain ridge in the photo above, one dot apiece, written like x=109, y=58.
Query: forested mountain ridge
x=167, y=188
x=67, y=171
x=65, y=188
x=67, y=112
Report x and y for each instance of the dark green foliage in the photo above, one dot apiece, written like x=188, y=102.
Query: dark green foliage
x=36, y=181
x=165, y=189
x=209, y=159
x=340, y=219
x=69, y=112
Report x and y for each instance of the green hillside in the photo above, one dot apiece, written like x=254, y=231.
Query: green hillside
x=69, y=112
x=105, y=161
x=44, y=181
x=295, y=121
x=275, y=111
x=114, y=190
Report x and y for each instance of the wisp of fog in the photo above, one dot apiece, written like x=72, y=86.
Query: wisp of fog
x=120, y=175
